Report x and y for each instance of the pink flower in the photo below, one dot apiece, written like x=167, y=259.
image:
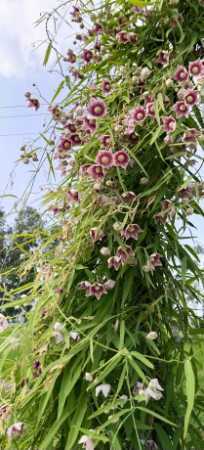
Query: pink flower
x=150, y=111
x=87, y=443
x=105, y=159
x=132, y=37
x=87, y=55
x=196, y=68
x=84, y=285
x=121, y=159
x=130, y=126
x=84, y=169
x=181, y=74
x=95, y=171
x=15, y=430
x=129, y=196
x=97, y=107
x=33, y=103
x=106, y=86
x=97, y=290
x=168, y=139
x=132, y=231
x=96, y=234
x=124, y=253
x=71, y=57
x=191, y=135
x=138, y=114
x=65, y=144
x=181, y=109
x=122, y=37
x=163, y=58
x=3, y=323
x=153, y=262
x=191, y=97
x=97, y=28
x=114, y=262
x=186, y=193
x=75, y=139
x=90, y=124
x=73, y=196
x=71, y=127
x=169, y=124
x=106, y=140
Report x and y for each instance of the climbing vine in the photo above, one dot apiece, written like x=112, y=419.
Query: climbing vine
x=109, y=356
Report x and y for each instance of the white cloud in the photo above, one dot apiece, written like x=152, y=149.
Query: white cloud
x=18, y=33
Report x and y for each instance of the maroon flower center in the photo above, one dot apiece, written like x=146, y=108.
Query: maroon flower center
x=182, y=75
x=140, y=115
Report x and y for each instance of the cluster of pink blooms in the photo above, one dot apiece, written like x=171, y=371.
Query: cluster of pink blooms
x=105, y=159
x=187, y=95
x=97, y=289
x=126, y=37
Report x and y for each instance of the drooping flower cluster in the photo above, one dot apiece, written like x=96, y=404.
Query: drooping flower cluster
x=96, y=289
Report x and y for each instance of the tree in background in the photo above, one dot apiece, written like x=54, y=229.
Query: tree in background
x=109, y=357
x=17, y=242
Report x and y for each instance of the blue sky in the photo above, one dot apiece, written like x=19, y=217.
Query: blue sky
x=22, y=47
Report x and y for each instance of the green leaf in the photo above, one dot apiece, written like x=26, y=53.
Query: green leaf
x=51, y=432
x=70, y=378
x=143, y=359
x=52, y=170
x=138, y=2
x=155, y=414
x=137, y=369
x=112, y=363
x=155, y=135
x=76, y=422
x=60, y=87
x=47, y=54
x=163, y=438
x=190, y=393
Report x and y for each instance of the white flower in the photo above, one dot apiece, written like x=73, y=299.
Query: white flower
x=109, y=284
x=152, y=335
x=145, y=73
x=58, y=326
x=87, y=443
x=105, y=251
x=58, y=329
x=88, y=377
x=74, y=335
x=3, y=323
x=103, y=389
x=153, y=390
x=15, y=430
